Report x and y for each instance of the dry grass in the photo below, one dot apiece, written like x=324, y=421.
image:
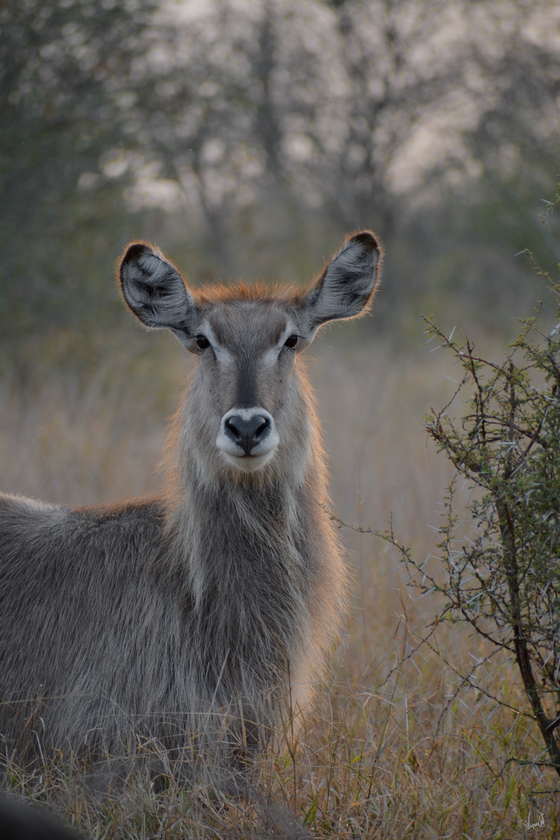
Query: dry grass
x=392, y=750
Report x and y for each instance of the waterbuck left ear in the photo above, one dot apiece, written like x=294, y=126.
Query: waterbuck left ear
x=348, y=283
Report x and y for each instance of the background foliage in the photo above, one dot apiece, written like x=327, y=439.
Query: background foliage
x=248, y=137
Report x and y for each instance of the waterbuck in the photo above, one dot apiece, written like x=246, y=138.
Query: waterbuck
x=217, y=600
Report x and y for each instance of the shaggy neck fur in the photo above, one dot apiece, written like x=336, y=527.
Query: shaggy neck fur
x=252, y=545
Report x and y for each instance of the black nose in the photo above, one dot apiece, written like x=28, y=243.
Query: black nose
x=247, y=433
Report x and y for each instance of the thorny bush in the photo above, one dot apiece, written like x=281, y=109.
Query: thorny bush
x=505, y=580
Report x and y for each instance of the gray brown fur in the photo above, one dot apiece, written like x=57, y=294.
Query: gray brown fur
x=18, y=821
x=219, y=599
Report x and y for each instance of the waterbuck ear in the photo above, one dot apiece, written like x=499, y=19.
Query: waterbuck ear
x=348, y=283
x=155, y=291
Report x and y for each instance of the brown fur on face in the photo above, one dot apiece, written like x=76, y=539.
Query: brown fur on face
x=189, y=619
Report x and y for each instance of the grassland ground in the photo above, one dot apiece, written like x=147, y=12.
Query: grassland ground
x=396, y=746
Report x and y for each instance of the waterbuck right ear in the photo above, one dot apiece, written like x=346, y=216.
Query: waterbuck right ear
x=347, y=284
x=155, y=291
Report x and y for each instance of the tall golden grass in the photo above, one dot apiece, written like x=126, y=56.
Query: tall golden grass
x=394, y=748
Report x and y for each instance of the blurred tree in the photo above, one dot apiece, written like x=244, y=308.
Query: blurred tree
x=378, y=114
x=491, y=184
x=299, y=107
x=393, y=72
x=253, y=76
x=275, y=123
x=70, y=73
x=516, y=141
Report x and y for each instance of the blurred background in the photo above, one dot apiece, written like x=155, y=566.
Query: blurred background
x=246, y=138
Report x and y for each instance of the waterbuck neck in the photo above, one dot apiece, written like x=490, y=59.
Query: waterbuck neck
x=245, y=548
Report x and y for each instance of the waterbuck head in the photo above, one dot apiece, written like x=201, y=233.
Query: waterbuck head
x=247, y=406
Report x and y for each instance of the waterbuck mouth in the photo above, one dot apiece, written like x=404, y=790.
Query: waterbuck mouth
x=247, y=437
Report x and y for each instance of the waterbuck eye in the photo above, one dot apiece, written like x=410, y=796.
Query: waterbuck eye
x=202, y=342
x=291, y=341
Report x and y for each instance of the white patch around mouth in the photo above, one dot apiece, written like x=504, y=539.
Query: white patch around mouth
x=249, y=463
x=260, y=454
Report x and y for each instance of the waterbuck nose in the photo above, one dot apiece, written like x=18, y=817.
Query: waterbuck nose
x=247, y=437
x=247, y=432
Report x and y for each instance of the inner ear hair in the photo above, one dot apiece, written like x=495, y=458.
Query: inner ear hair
x=348, y=283
x=154, y=289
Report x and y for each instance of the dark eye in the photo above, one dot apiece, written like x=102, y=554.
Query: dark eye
x=202, y=342
x=291, y=341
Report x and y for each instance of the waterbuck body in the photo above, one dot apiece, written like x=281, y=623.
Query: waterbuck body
x=217, y=600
